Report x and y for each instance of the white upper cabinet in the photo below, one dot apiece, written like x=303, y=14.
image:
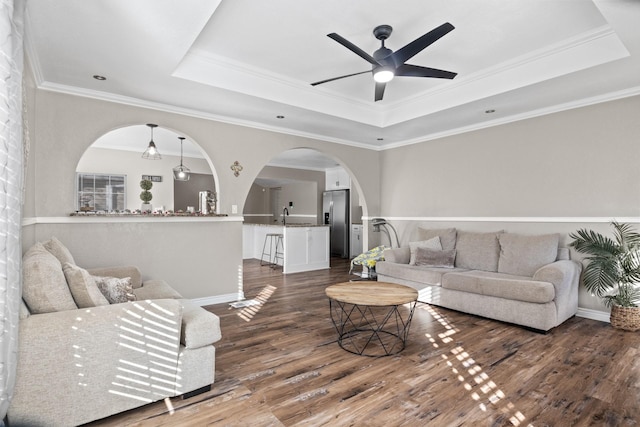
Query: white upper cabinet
x=337, y=179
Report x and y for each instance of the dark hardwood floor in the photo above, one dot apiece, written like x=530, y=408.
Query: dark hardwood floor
x=278, y=364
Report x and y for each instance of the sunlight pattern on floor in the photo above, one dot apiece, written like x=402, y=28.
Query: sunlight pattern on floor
x=247, y=313
x=477, y=378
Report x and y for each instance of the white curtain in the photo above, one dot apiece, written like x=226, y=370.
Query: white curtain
x=11, y=182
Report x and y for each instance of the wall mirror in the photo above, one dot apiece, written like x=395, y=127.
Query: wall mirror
x=109, y=173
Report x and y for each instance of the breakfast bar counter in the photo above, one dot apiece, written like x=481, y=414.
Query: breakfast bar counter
x=306, y=247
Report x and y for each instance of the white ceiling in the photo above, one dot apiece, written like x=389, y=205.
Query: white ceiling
x=249, y=61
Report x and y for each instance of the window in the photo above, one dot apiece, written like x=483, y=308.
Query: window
x=97, y=192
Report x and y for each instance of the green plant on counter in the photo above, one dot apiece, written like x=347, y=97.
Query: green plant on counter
x=146, y=195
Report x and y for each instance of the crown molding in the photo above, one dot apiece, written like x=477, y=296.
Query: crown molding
x=599, y=99
x=136, y=102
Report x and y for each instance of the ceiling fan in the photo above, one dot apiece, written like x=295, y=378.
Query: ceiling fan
x=387, y=64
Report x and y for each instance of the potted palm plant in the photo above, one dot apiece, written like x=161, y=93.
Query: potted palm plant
x=613, y=271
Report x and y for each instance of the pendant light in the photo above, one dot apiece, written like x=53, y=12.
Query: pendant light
x=151, y=153
x=181, y=173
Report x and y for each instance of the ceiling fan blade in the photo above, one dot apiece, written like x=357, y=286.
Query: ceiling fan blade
x=408, y=70
x=338, y=78
x=353, y=48
x=409, y=51
x=379, y=91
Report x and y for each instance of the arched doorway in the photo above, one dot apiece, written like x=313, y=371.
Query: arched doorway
x=291, y=187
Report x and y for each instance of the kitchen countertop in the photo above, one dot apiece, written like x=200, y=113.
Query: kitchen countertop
x=288, y=225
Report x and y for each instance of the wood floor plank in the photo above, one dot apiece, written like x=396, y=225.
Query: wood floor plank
x=279, y=364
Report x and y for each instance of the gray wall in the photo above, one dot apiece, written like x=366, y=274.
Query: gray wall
x=61, y=127
x=555, y=173
x=131, y=164
x=186, y=193
x=302, y=187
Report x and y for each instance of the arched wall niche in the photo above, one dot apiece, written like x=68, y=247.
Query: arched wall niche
x=119, y=152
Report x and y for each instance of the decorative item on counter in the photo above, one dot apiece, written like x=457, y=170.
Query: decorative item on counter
x=86, y=202
x=236, y=168
x=146, y=195
x=207, y=202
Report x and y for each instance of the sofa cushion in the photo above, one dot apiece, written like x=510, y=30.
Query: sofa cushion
x=59, y=251
x=477, y=251
x=447, y=236
x=522, y=254
x=155, y=289
x=115, y=289
x=507, y=286
x=44, y=287
x=199, y=326
x=427, y=275
x=433, y=258
x=433, y=243
x=83, y=288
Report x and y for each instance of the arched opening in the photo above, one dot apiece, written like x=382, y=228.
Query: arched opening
x=293, y=188
x=109, y=172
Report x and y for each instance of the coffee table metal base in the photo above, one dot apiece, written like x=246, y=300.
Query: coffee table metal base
x=371, y=330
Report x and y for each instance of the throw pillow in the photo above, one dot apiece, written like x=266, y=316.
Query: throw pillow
x=447, y=236
x=59, y=251
x=83, y=288
x=44, y=287
x=477, y=251
x=397, y=255
x=433, y=243
x=116, y=290
x=523, y=255
x=434, y=258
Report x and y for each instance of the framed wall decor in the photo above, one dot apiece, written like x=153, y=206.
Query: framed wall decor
x=153, y=178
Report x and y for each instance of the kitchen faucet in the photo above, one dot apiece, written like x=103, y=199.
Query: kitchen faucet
x=285, y=214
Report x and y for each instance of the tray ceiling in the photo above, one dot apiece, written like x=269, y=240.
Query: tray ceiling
x=248, y=61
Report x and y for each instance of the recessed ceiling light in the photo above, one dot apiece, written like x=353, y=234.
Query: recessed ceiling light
x=99, y=77
x=279, y=117
x=490, y=111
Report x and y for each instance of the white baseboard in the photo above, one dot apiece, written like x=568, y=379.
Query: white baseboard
x=588, y=313
x=219, y=299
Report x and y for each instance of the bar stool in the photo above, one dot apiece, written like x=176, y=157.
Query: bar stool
x=272, y=239
x=279, y=254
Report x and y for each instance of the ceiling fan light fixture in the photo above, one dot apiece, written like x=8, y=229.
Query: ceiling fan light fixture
x=151, y=153
x=383, y=74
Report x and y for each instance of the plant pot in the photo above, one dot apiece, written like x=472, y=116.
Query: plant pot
x=146, y=207
x=626, y=318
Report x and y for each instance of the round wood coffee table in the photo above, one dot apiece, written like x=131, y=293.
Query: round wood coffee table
x=372, y=318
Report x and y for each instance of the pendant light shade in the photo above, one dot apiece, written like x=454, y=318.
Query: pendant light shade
x=151, y=153
x=181, y=173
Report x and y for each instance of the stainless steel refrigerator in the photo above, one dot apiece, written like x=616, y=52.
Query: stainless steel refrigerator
x=335, y=206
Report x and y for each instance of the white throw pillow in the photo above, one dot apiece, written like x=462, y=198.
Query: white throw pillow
x=433, y=243
x=83, y=288
x=44, y=287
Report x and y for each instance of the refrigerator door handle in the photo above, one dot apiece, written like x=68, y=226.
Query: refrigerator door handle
x=331, y=212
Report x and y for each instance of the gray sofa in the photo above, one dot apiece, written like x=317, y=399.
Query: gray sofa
x=522, y=279
x=88, y=351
